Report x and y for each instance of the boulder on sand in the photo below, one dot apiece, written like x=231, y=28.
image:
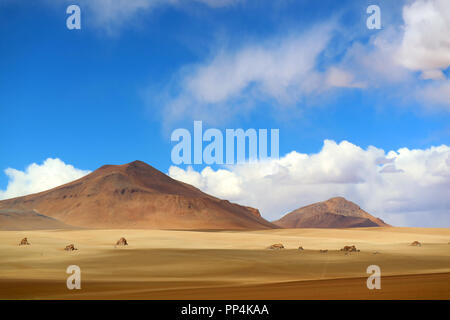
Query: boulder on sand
x=24, y=242
x=276, y=246
x=323, y=251
x=349, y=249
x=122, y=242
x=70, y=247
x=416, y=244
x=300, y=248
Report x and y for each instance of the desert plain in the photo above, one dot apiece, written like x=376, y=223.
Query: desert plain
x=171, y=264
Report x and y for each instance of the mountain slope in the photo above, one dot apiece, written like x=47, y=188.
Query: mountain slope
x=136, y=195
x=333, y=213
x=28, y=220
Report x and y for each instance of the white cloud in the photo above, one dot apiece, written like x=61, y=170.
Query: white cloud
x=374, y=64
x=337, y=77
x=404, y=187
x=282, y=70
x=426, y=41
x=420, y=43
x=432, y=75
x=36, y=178
x=111, y=14
x=437, y=93
x=393, y=56
x=221, y=182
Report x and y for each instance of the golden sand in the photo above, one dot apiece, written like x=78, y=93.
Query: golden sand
x=160, y=264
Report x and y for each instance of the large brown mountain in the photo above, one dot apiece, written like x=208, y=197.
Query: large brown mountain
x=136, y=195
x=333, y=213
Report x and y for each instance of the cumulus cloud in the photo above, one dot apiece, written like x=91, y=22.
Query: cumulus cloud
x=420, y=43
x=404, y=187
x=402, y=56
x=36, y=178
x=426, y=41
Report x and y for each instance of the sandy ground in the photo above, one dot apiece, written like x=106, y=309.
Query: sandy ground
x=160, y=264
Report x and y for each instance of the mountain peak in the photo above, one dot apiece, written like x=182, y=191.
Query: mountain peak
x=133, y=164
x=136, y=195
x=338, y=199
x=138, y=163
x=336, y=212
x=340, y=203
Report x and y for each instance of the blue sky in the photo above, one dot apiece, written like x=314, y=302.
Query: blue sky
x=105, y=94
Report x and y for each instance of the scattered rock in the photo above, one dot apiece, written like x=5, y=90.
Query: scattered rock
x=24, y=242
x=323, y=251
x=416, y=244
x=276, y=246
x=350, y=249
x=70, y=247
x=300, y=248
x=122, y=242
x=376, y=252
